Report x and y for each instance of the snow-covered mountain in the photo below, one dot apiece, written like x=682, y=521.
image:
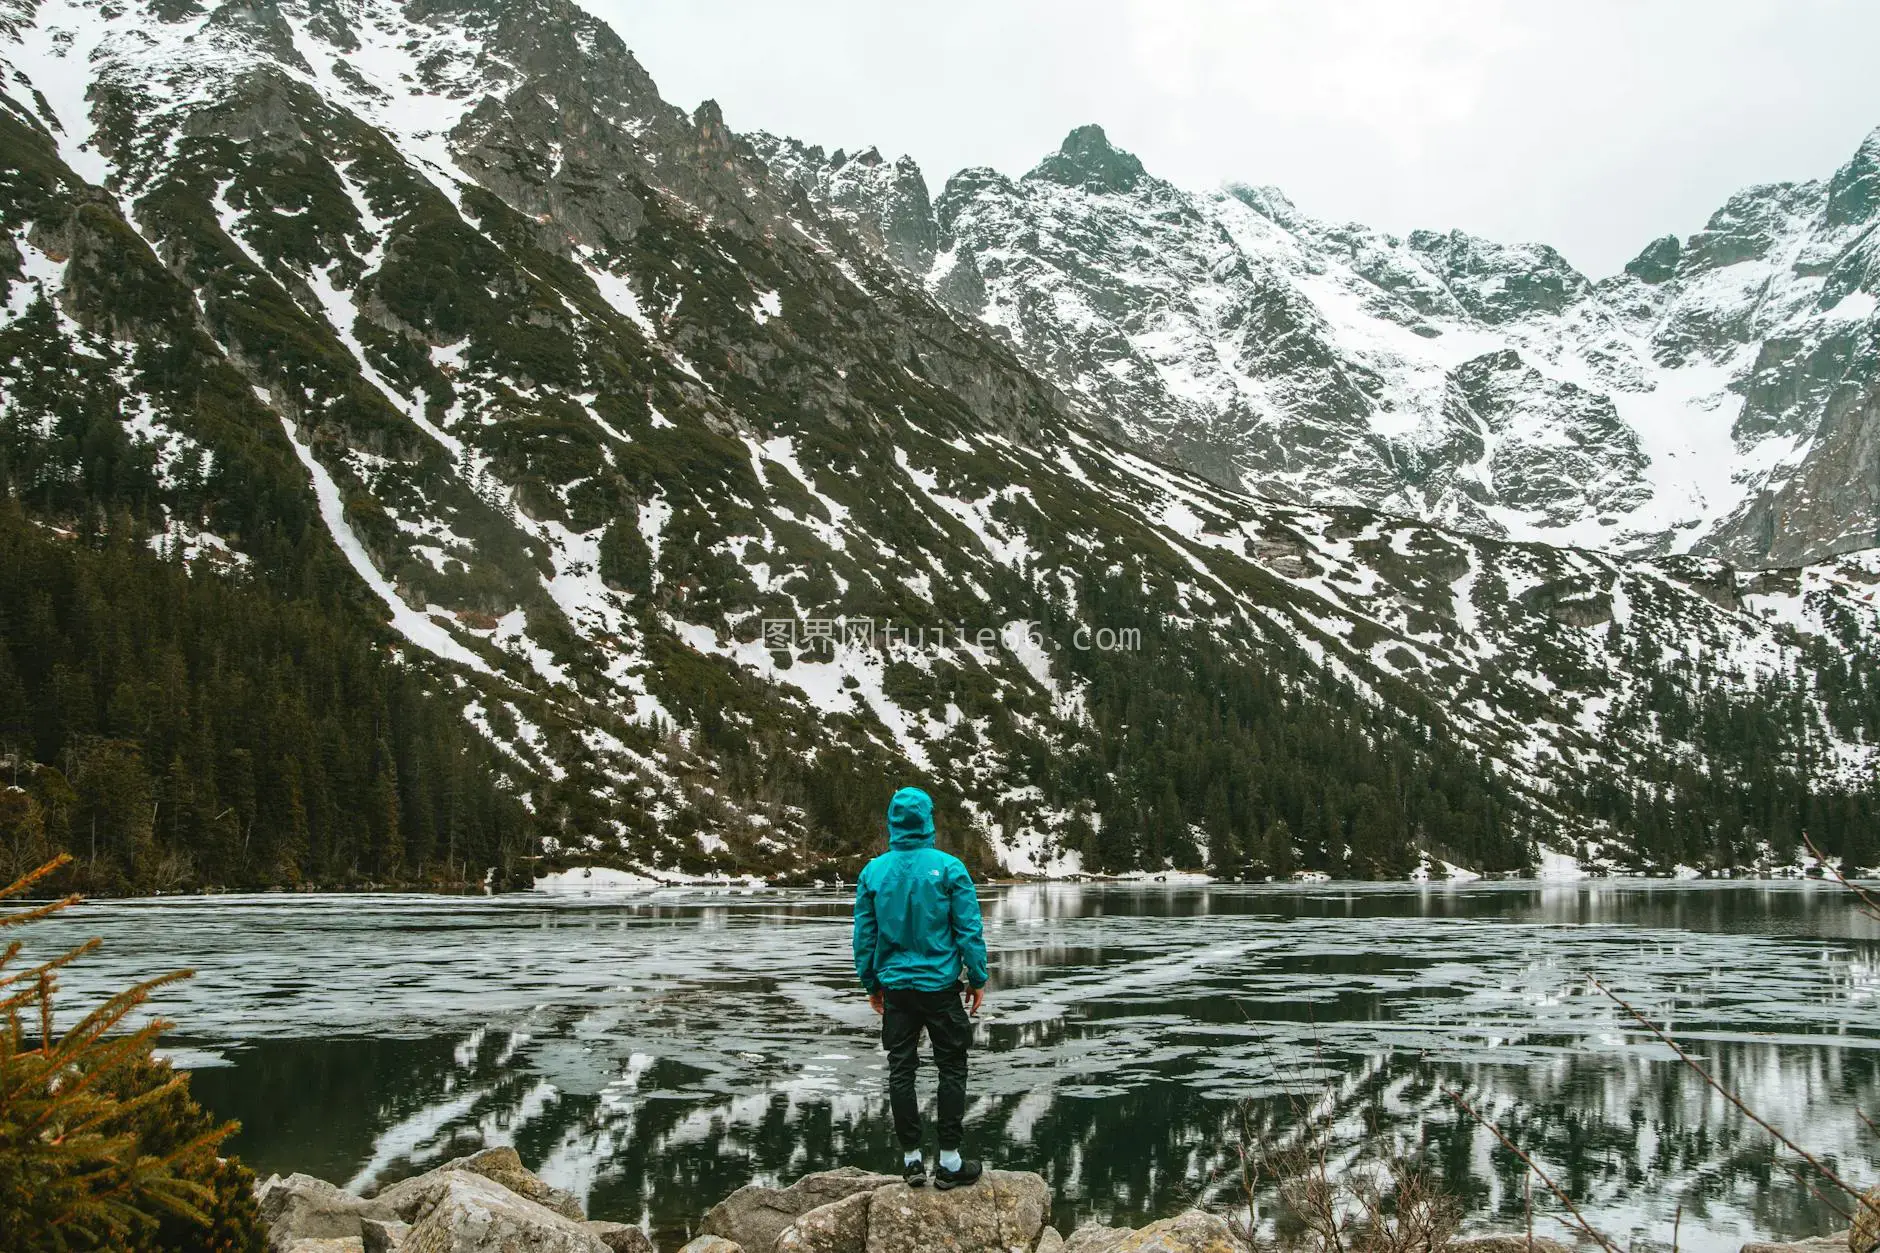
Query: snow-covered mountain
x=1718, y=396
x=667, y=457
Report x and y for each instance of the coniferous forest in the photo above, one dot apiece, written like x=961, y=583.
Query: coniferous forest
x=175, y=726
x=174, y=732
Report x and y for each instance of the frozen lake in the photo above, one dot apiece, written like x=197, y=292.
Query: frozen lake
x=653, y=1050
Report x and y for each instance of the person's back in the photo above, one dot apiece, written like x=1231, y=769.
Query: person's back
x=917, y=934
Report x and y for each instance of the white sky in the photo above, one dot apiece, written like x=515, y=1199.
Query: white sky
x=1593, y=125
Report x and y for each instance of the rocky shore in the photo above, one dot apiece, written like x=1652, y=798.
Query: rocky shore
x=490, y=1203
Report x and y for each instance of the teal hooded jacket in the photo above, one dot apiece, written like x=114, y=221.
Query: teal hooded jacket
x=917, y=919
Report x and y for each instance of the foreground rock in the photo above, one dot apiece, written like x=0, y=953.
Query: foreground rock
x=470, y=1213
x=485, y=1203
x=713, y=1244
x=832, y=1228
x=1508, y=1244
x=1192, y=1232
x=754, y=1216
x=500, y=1166
x=1003, y=1213
x=301, y=1209
x=850, y=1211
x=1865, y=1234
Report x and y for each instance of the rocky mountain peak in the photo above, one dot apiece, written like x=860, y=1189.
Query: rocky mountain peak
x=1088, y=160
x=1500, y=282
x=709, y=118
x=1854, y=191
x=1269, y=202
x=1657, y=261
x=1250, y=343
x=1750, y=225
x=884, y=202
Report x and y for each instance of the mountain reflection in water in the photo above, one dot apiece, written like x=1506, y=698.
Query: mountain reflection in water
x=653, y=1051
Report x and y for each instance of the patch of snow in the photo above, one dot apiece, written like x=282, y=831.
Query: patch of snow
x=420, y=629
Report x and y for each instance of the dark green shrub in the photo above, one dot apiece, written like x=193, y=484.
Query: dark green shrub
x=101, y=1146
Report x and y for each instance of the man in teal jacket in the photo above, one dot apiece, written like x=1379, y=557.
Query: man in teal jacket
x=917, y=935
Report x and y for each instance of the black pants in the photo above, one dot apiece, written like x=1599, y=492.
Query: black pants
x=943, y=1015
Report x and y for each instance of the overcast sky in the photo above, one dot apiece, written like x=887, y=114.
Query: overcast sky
x=1593, y=125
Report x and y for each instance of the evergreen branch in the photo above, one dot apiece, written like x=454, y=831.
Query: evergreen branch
x=37, y=912
x=109, y=1110
x=19, y=886
x=62, y=960
x=105, y=1061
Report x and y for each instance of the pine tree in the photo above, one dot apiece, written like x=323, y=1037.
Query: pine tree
x=100, y=1145
x=1224, y=855
x=387, y=830
x=1277, y=848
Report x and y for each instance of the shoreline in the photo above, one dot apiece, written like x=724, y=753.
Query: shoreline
x=613, y=881
x=491, y=1202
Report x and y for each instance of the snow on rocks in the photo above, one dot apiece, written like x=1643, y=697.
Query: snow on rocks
x=421, y=629
x=1440, y=375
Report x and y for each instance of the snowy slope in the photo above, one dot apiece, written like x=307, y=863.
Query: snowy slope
x=589, y=392
x=1691, y=403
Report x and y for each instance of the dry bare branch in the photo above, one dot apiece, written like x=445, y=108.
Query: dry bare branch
x=1869, y=903
x=1827, y=1172
x=1579, y=1220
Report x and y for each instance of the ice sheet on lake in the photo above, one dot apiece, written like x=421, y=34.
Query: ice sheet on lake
x=731, y=1013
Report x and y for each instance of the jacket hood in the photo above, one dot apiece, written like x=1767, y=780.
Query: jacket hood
x=910, y=819
x=903, y=840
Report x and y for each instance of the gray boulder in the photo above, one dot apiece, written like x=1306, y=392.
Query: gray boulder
x=712, y=1244
x=500, y=1165
x=1508, y=1244
x=838, y=1227
x=754, y=1216
x=621, y=1238
x=1095, y=1239
x=384, y=1235
x=1192, y=1232
x=1864, y=1236
x=1817, y=1244
x=469, y=1213
x=1049, y=1241
x=1003, y=1213
x=301, y=1208
x=339, y=1244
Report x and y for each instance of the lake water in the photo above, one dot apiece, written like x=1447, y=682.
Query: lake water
x=652, y=1051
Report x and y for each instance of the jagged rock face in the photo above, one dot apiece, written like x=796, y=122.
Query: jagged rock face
x=1310, y=361
x=1831, y=501
x=1558, y=447
x=1112, y=282
x=584, y=392
x=1088, y=161
x=885, y=203
x=1494, y=284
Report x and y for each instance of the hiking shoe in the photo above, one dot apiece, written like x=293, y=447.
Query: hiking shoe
x=968, y=1174
x=914, y=1174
